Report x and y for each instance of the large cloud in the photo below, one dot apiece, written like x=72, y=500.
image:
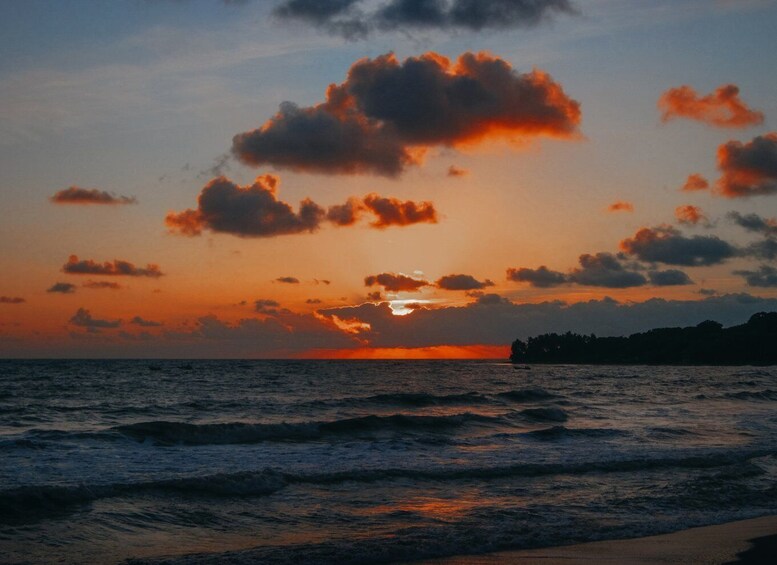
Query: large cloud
x=387, y=111
x=255, y=211
x=722, y=108
x=765, y=276
x=665, y=244
x=462, y=282
x=748, y=169
x=117, y=267
x=395, y=282
x=604, y=270
x=345, y=17
x=76, y=195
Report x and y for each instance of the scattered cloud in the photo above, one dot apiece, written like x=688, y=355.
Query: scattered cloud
x=670, y=277
x=620, y=206
x=387, y=112
x=264, y=306
x=117, y=267
x=313, y=301
x=395, y=283
x=665, y=244
x=462, y=282
x=287, y=280
x=454, y=171
x=541, y=277
x=690, y=215
x=748, y=169
x=83, y=318
x=98, y=285
x=76, y=195
x=604, y=270
x=765, y=276
x=722, y=108
x=356, y=19
x=695, y=182
x=138, y=321
x=62, y=288
x=755, y=223
x=393, y=212
x=12, y=300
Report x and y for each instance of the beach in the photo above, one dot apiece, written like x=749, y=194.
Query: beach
x=744, y=542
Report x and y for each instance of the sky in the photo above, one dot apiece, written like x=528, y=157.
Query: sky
x=380, y=178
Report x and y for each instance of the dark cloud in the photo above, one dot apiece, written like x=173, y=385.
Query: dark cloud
x=462, y=282
x=345, y=214
x=264, y=306
x=708, y=291
x=387, y=110
x=287, y=280
x=83, y=318
x=765, y=276
x=722, y=108
x=347, y=18
x=375, y=296
x=748, y=169
x=109, y=268
x=690, y=215
x=313, y=301
x=665, y=244
x=541, y=277
x=76, y=195
x=764, y=249
x=245, y=211
x=670, y=277
x=393, y=212
x=604, y=270
x=395, y=283
x=62, y=288
x=755, y=223
x=12, y=300
x=620, y=206
x=695, y=182
x=138, y=321
x=97, y=285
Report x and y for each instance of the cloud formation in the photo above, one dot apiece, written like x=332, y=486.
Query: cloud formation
x=462, y=282
x=689, y=214
x=721, y=108
x=765, y=277
x=349, y=19
x=665, y=244
x=755, y=223
x=620, y=206
x=287, y=280
x=83, y=318
x=77, y=195
x=670, y=277
x=454, y=171
x=117, y=267
x=748, y=169
x=395, y=283
x=62, y=288
x=387, y=112
x=604, y=270
x=12, y=300
x=255, y=211
x=138, y=321
x=265, y=306
x=98, y=285
x=541, y=277
x=695, y=182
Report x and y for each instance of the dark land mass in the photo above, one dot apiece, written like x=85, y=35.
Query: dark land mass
x=709, y=343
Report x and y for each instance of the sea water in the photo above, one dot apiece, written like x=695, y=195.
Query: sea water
x=369, y=461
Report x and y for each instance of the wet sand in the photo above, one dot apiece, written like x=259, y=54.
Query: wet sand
x=746, y=542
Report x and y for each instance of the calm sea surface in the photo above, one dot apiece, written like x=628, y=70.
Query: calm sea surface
x=369, y=462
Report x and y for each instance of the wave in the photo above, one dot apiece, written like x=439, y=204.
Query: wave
x=30, y=502
x=545, y=414
x=562, y=432
x=767, y=394
x=527, y=395
x=172, y=433
x=421, y=399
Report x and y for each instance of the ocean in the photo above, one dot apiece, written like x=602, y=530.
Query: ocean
x=348, y=462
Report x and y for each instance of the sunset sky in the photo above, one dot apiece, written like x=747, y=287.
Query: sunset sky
x=380, y=178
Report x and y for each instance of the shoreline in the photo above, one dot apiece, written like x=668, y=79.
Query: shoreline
x=743, y=542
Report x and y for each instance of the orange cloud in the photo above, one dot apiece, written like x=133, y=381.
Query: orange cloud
x=620, y=206
x=748, y=169
x=722, y=108
x=386, y=111
x=395, y=283
x=109, y=268
x=454, y=171
x=101, y=285
x=689, y=214
x=695, y=182
x=12, y=300
x=76, y=195
x=393, y=212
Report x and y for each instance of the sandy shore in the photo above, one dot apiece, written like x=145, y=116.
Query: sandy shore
x=746, y=542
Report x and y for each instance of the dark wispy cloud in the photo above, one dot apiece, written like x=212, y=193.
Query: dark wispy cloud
x=765, y=276
x=462, y=282
x=620, y=206
x=265, y=306
x=665, y=244
x=99, y=285
x=287, y=280
x=255, y=211
x=379, y=119
x=12, y=300
x=755, y=223
x=748, y=169
x=83, y=318
x=313, y=301
x=62, y=288
x=542, y=277
x=395, y=282
x=76, y=195
x=722, y=108
x=670, y=277
x=117, y=267
x=355, y=19
x=689, y=214
x=604, y=270
x=695, y=182
x=138, y=321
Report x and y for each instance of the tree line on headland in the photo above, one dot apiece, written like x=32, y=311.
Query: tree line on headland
x=708, y=343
